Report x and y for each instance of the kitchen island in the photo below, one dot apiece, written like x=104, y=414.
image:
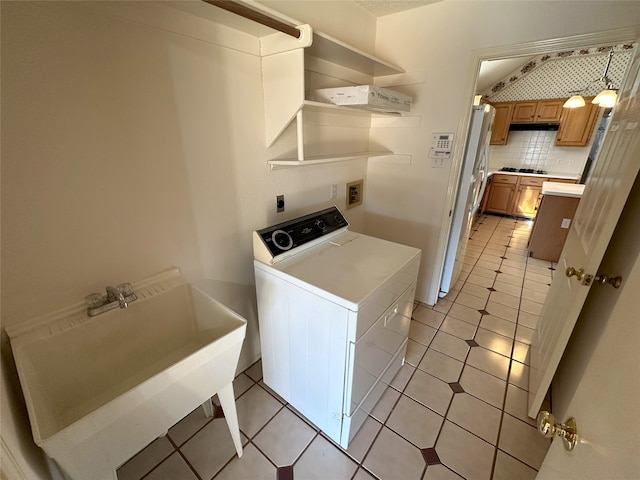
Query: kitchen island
x=551, y=227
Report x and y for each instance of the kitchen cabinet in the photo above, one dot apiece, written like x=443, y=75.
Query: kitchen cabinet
x=501, y=122
x=518, y=195
x=577, y=125
x=537, y=111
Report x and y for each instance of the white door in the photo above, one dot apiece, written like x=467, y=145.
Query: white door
x=599, y=377
x=594, y=222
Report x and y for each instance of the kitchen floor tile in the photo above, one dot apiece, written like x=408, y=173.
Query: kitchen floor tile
x=450, y=345
x=415, y=352
x=255, y=371
x=284, y=438
x=522, y=441
x=475, y=290
x=528, y=306
x=210, y=449
x=360, y=444
x=502, y=311
x=466, y=314
x=421, y=333
x=489, y=362
x=385, y=405
x=483, y=386
x=428, y=316
x=401, y=379
x=475, y=416
x=505, y=299
x=458, y=328
x=471, y=301
x=477, y=460
x=494, y=342
x=480, y=280
x=531, y=286
x=521, y=352
x=441, y=472
x=255, y=408
x=484, y=272
x=509, y=279
x=442, y=366
x=442, y=305
x=392, y=457
x=253, y=465
x=362, y=474
x=528, y=320
x=536, y=277
x=323, y=460
x=524, y=334
x=516, y=404
x=138, y=466
x=508, y=468
x=507, y=288
x=519, y=375
x=172, y=468
x=498, y=325
x=429, y=391
x=415, y=422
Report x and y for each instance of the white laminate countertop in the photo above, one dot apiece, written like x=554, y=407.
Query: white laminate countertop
x=567, y=176
x=562, y=189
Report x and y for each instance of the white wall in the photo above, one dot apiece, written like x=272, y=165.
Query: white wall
x=132, y=141
x=408, y=203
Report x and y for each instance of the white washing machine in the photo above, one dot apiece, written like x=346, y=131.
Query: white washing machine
x=334, y=310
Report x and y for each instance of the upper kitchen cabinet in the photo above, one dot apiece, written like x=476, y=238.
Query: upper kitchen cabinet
x=577, y=125
x=500, y=130
x=537, y=111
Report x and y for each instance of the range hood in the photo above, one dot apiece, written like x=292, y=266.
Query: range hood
x=534, y=126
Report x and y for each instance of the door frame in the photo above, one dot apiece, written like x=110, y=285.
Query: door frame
x=588, y=40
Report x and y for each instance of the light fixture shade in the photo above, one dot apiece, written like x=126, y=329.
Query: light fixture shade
x=606, y=99
x=574, y=102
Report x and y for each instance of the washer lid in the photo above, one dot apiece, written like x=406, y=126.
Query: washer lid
x=275, y=243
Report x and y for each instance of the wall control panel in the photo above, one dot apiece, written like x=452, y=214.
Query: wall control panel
x=440, y=151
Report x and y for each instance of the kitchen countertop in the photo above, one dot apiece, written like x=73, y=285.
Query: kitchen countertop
x=567, y=176
x=562, y=189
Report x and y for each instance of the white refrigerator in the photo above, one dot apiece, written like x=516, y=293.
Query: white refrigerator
x=471, y=186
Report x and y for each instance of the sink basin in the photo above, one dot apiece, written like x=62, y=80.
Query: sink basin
x=99, y=389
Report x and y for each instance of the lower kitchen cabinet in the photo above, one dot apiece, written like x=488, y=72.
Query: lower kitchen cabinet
x=500, y=194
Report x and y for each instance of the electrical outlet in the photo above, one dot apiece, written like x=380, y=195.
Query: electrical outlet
x=334, y=191
x=279, y=203
x=354, y=193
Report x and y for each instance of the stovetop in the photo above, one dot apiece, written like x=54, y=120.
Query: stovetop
x=523, y=170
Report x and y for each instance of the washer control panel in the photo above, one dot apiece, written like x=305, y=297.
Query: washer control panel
x=295, y=233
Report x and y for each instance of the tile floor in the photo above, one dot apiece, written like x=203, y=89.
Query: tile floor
x=455, y=410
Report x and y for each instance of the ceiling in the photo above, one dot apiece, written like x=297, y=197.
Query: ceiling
x=380, y=8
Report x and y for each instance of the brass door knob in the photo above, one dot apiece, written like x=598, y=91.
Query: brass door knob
x=571, y=272
x=603, y=279
x=568, y=431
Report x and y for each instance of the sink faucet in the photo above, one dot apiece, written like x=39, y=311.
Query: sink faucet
x=114, y=294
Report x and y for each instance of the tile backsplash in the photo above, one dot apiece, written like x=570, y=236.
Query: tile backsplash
x=536, y=149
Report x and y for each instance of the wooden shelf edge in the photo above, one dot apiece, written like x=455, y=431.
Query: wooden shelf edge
x=318, y=160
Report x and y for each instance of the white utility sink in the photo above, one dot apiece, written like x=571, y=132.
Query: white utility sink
x=99, y=389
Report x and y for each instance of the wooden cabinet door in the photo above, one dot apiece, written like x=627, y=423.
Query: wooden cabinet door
x=524, y=112
x=527, y=201
x=500, y=131
x=501, y=198
x=576, y=125
x=549, y=110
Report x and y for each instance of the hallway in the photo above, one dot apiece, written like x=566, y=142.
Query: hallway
x=456, y=409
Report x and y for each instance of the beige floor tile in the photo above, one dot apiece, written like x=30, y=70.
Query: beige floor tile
x=498, y=325
x=484, y=272
x=491, y=265
x=143, y=462
x=521, y=352
x=482, y=281
x=489, y=362
x=508, y=468
x=362, y=474
x=536, y=277
x=491, y=258
x=464, y=453
x=360, y=444
x=415, y=352
x=505, y=299
x=528, y=306
x=523, y=441
x=284, y=438
x=483, y=386
x=255, y=371
x=172, y=468
x=421, y=333
x=383, y=408
x=442, y=305
x=391, y=457
x=466, y=314
x=502, y=311
x=516, y=404
x=475, y=290
x=540, y=269
x=188, y=426
x=415, y=422
x=210, y=449
x=513, y=271
x=458, y=328
x=429, y=391
x=428, y=316
x=471, y=301
x=509, y=279
x=518, y=262
x=538, y=262
x=524, y=334
x=255, y=408
x=531, y=286
x=494, y=342
x=401, y=379
x=537, y=297
x=441, y=472
x=515, y=290
x=442, y=366
x=252, y=465
x=450, y=345
x=476, y=416
x=519, y=375
x=528, y=319
x=241, y=384
x=323, y=460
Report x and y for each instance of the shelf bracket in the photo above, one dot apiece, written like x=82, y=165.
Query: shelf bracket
x=277, y=43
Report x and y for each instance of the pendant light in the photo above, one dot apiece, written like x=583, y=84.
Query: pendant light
x=606, y=98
